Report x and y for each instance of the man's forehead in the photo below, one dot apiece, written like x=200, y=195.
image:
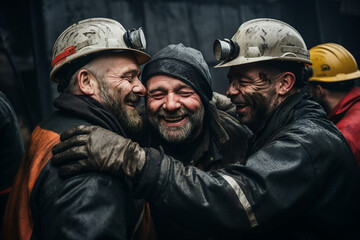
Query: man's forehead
x=245, y=70
x=127, y=67
x=165, y=81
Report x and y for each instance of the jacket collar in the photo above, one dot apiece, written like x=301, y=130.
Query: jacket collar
x=343, y=106
x=280, y=117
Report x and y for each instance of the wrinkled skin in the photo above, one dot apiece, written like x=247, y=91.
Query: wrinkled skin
x=120, y=88
x=174, y=109
x=91, y=148
x=254, y=95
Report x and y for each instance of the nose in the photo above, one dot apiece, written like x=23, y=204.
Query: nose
x=232, y=90
x=171, y=102
x=138, y=88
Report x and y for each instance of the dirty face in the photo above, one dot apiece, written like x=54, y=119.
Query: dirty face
x=174, y=109
x=120, y=89
x=254, y=94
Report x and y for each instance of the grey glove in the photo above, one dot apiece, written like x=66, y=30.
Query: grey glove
x=223, y=103
x=91, y=148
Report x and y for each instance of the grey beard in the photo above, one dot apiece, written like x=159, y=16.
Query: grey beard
x=184, y=133
x=128, y=118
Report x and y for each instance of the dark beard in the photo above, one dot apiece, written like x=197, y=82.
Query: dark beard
x=262, y=110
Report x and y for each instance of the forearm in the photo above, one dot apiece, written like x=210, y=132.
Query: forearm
x=190, y=196
x=236, y=199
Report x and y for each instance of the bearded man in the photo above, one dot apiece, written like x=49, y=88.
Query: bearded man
x=184, y=122
x=97, y=71
x=300, y=178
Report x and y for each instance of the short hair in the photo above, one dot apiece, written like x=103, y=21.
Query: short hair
x=276, y=67
x=93, y=68
x=343, y=86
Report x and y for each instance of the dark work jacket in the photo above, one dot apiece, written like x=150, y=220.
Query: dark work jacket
x=11, y=149
x=203, y=154
x=88, y=206
x=300, y=181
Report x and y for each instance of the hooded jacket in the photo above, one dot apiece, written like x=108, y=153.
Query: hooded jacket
x=205, y=155
x=222, y=140
x=346, y=116
x=300, y=181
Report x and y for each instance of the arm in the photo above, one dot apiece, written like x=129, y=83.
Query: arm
x=235, y=199
x=275, y=184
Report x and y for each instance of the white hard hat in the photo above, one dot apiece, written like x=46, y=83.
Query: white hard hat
x=95, y=35
x=261, y=40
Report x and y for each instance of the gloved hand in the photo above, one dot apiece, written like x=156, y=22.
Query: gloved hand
x=91, y=148
x=223, y=103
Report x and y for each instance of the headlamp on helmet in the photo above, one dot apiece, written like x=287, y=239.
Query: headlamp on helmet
x=225, y=50
x=86, y=38
x=135, y=38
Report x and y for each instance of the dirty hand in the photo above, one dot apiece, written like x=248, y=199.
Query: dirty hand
x=91, y=148
x=223, y=103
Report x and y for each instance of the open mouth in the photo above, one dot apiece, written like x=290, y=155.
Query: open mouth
x=241, y=108
x=173, y=119
x=241, y=105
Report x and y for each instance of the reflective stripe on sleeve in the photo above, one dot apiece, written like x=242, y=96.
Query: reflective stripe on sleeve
x=242, y=199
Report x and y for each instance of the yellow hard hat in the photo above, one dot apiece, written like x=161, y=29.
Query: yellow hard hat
x=332, y=63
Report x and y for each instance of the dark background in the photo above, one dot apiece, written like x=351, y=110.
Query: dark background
x=28, y=29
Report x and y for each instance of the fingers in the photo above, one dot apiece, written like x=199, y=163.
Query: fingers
x=74, y=141
x=70, y=155
x=79, y=130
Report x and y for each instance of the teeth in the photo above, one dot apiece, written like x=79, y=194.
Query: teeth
x=175, y=119
x=241, y=105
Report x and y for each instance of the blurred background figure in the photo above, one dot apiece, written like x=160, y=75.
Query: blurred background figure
x=333, y=85
x=11, y=150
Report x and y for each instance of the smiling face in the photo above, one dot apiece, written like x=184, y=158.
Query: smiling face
x=253, y=93
x=174, y=109
x=119, y=88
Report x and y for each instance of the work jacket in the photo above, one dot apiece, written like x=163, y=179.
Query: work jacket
x=204, y=154
x=346, y=116
x=300, y=181
x=88, y=206
x=11, y=149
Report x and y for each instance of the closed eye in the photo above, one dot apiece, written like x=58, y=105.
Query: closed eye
x=185, y=93
x=157, y=96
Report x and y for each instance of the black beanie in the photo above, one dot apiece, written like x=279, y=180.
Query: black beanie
x=188, y=65
x=183, y=63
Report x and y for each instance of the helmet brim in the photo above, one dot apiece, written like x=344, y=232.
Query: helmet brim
x=141, y=58
x=242, y=61
x=337, y=78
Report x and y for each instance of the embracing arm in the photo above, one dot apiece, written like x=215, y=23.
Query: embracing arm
x=237, y=198
x=275, y=184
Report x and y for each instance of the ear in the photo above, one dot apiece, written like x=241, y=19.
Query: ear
x=86, y=82
x=320, y=90
x=286, y=83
